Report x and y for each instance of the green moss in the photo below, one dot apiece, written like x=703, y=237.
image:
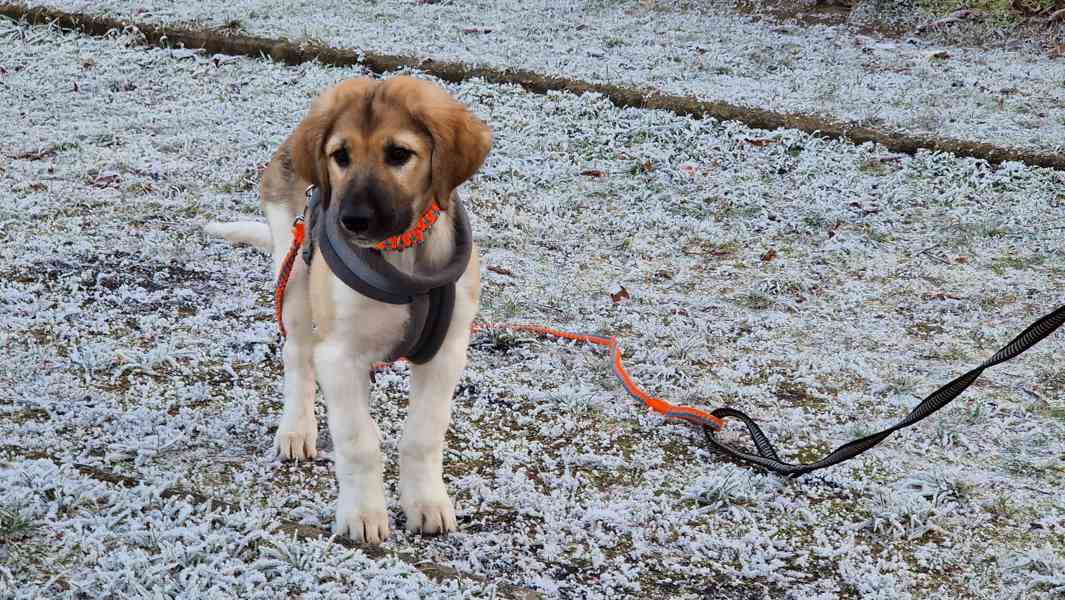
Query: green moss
x=809, y=454
x=14, y=526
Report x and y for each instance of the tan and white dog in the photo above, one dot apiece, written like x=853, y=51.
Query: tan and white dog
x=385, y=150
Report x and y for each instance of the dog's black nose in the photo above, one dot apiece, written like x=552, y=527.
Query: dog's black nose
x=357, y=218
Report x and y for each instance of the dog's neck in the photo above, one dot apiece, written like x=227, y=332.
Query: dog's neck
x=434, y=252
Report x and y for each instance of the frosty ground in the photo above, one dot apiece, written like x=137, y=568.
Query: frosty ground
x=822, y=287
x=1011, y=96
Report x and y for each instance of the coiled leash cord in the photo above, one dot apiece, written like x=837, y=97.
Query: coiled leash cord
x=713, y=422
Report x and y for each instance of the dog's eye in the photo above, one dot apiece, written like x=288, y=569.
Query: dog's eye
x=341, y=158
x=397, y=156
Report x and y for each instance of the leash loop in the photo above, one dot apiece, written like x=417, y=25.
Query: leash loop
x=768, y=458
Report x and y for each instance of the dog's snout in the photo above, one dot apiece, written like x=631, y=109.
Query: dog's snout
x=358, y=218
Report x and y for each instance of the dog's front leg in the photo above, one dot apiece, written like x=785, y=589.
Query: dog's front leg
x=421, y=452
x=345, y=382
x=297, y=432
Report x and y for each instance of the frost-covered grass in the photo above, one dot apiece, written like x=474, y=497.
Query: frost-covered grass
x=135, y=345
x=997, y=95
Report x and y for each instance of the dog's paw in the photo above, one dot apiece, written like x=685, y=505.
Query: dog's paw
x=298, y=441
x=362, y=525
x=430, y=512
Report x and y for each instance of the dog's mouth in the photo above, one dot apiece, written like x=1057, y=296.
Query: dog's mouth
x=382, y=229
x=363, y=241
x=369, y=241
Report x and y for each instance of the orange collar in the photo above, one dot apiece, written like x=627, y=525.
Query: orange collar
x=415, y=235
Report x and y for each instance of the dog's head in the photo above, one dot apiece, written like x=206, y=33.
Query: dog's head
x=385, y=150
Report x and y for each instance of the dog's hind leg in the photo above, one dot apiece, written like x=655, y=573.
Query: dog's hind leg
x=297, y=432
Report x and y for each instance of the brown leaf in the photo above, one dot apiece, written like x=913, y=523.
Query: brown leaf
x=770, y=255
x=593, y=173
x=500, y=270
x=961, y=260
x=760, y=142
x=622, y=294
x=694, y=170
x=832, y=230
x=105, y=180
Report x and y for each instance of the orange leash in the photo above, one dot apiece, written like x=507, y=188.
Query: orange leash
x=660, y=406
x=286, y=272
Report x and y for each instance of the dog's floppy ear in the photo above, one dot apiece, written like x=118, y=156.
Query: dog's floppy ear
x=308, y=141
x=460, y=140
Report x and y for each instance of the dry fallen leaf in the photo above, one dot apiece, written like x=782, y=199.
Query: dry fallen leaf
x=940, y=296
x=593, y=173
x=770, y=255
x=620, y=295
x=759, y=141
x=105, y=180
x=500, y=270
x=694, y=170
x=832, y=230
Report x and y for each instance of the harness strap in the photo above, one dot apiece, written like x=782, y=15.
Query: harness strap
x=440, y=308
x=430, y=312
x=766, y=455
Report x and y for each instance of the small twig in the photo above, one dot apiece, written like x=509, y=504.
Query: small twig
x=954, y=17
x=1056, y=16
x=1032, y=394
x=500, y=270
x=933, y=257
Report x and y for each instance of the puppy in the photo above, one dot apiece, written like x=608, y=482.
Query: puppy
x=384, y=150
